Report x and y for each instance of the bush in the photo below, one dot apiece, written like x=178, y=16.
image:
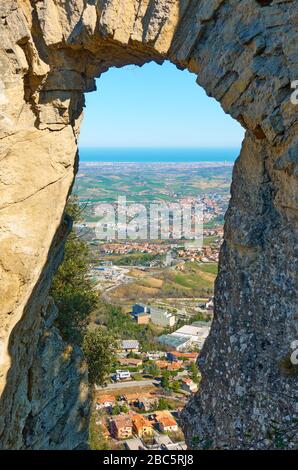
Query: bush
x=99, y=348
x=71, y=288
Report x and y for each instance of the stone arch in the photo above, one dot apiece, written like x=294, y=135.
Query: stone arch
x=245, y=56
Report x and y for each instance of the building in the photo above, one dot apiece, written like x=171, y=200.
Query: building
x=140, y=308
x=175, y=356
x=162, y=317
x=142, y=426
x=189, y=385
x=121, y=427
x=141, y=318
x=147, y=403
x=141, y=313
x=122, y=375
x=188, y=337
x=105, y=401
x=129, y=345
x=130, y=362
x=170, y=366
x=165, y=421
x=135, y=399
x=152, y=356
x=177, y=342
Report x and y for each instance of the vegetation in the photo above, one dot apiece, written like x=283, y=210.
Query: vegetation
x=122, y=325
x=165, y=404
x=71, y=288
x=97, y=441
x=135, y=259
x=99, y=347
x=194, y=372
x=196, y=280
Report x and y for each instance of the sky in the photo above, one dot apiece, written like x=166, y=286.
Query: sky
x=155, y=106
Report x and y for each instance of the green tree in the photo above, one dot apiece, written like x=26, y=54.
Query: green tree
x=116, y=410
x=71, y=288
x=194, y=372
x=99, y=348
x=175, y=386
x=152, y=369
x=165, y=380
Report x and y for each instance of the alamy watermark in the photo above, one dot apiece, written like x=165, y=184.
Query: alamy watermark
x=179, y=223
x=294, y=355
x=294, y=95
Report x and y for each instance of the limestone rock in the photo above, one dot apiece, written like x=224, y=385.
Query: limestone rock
x=245, y=56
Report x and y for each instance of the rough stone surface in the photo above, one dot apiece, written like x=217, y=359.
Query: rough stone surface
x=245, y=55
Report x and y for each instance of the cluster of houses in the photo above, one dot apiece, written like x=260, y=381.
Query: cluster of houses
x=127, y=425
x=145, y=401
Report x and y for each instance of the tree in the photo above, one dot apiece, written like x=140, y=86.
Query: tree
x=124, y=409
x=152, y=369
x=194, y=372
x=164, y=404
x=116, y=410
x=71, y=288
x=165, y=380
x=175, y=386
x=99, y=348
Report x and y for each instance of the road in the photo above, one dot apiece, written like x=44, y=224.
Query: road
x=132, y=383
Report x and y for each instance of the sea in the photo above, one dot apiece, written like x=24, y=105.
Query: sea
x=155, y=155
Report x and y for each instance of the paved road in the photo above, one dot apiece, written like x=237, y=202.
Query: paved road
x=132, y=383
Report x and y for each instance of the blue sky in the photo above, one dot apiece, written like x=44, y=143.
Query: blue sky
x=155, y=106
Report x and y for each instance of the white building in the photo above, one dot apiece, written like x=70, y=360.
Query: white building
x=162, y=317
x=197, y=332
x=188, y=337
x=122, y=375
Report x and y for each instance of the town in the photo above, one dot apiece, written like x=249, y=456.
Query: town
x=161, y=293
x=139, y=405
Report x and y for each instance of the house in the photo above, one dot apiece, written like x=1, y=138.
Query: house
x=165, y=421
x=174, y=366
x=121, y=427
x=175, y=356
x=141, y=318
x=135, y=399
x=162, y=317
x=152, y=356
x=147, y=403
x=189, y=385
x=105, y=401
x=170, y=366
x=142, y=426
x=129, y=345
x=130, y=362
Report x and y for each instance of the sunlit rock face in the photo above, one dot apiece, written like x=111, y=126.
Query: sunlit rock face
x=245, y=56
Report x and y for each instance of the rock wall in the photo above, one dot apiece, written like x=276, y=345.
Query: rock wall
x=245, y=55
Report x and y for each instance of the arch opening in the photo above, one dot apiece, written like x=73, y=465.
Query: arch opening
x=246, y=60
